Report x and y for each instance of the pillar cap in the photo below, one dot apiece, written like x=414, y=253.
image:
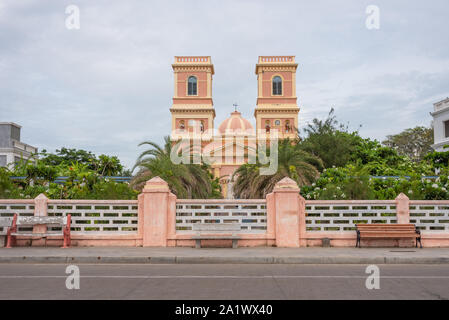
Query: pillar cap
x=41, y=196
x=402, y=196
x=156, y=184
x=286, y=184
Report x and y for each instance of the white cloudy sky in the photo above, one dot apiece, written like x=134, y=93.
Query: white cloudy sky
x=108, y=86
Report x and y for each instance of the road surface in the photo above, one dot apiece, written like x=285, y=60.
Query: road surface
x=244, y=281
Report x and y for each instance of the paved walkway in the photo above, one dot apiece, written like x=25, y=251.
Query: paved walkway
x=262, y=255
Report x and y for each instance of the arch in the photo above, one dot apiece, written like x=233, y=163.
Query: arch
x=287, y=126
x=267, y=125
x=277, y=86
x=192, y=86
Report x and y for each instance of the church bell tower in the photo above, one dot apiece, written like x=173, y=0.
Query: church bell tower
x=276, y=106
x=192, y=110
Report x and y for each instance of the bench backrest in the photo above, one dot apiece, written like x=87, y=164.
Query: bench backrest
x=385, y=227
x=216, y=227
x=31, y=221
x=6, y=221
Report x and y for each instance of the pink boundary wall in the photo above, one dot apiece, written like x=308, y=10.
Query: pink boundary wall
x=286, y=221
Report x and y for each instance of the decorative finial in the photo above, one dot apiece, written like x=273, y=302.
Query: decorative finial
x=235, y=105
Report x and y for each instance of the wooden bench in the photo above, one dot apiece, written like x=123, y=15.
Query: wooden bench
x=208, y=231
x=388, y=231
x=5, y=224
x=63, y=222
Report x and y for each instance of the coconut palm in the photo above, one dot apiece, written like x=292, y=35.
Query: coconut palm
x=293, y=162
x=185, y=180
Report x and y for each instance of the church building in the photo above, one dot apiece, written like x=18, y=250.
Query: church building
x=193, y=111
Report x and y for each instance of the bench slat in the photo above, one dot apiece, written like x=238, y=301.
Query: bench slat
x=387, y=229
x=384, y=224
x=36, y=234
x=384, y=227
x=41, y=220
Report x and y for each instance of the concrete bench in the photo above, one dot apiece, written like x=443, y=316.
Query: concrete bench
x=387, y=231
x=63, y=222
x=5, y=225
x=216, y=231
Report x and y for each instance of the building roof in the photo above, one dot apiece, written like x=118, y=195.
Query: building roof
x=236, y=124
x=11, y=124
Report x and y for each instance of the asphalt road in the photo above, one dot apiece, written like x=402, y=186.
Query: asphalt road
x=288, y=281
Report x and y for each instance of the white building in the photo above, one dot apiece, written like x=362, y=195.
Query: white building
x=11, y=149
x=440, y=116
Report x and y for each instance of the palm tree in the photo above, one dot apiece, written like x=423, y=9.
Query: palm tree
x=293, y=162
x=185, y=180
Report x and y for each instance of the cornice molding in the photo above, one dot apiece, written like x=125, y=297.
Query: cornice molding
x=291, y=110
x=193, y=68
x=276, y=67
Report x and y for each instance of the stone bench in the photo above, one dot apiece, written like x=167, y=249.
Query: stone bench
x=216, y=231
x=62, y=222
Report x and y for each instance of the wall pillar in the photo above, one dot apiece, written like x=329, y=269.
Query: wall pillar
x=302, y=222
x=271, y=216
x=402, y=208
x=171, y=219
x=40, y=210
x=154, y=210
x=288, y=205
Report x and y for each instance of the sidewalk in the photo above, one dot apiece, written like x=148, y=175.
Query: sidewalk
x=262, y=255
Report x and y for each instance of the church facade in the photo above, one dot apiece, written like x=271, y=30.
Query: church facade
x=193, y=111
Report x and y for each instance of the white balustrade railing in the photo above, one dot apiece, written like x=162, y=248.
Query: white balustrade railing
x=192, y=59
x=263, y=59
x=98, y=216
x=341, y=215
x=250, y=214
x=23, y=208
x=430, y=215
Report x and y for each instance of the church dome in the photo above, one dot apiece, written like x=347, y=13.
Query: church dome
x=236, y=124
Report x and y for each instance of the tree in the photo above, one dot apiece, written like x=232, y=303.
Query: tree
x=438, y=160
x=104, y=165
x=293, y=162
x=330, y=141
x=67, y=156
x=185, y=180
x=414, y=142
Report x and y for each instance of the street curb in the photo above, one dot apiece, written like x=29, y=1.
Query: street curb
x=222, y=260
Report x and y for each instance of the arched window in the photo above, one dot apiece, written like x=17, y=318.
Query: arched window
x=277, y=86
x=182, y=125
x=277, y=122
x=202, y=126
x=287, y=126
x=192, y=86
x=267, y=126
